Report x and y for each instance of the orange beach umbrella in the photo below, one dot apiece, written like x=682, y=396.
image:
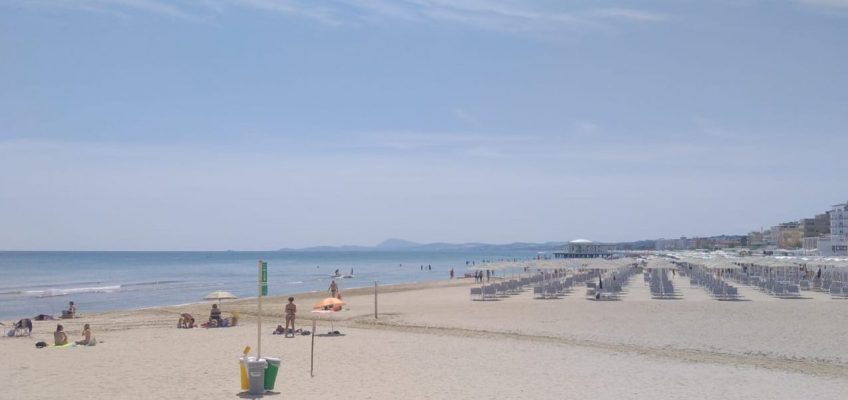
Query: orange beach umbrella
x=329, y=302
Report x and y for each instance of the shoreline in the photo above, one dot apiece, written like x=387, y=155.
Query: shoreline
x=246, y=307
x=432, y=341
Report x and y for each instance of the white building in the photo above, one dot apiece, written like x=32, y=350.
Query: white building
x=837, y=244
x=582, y=248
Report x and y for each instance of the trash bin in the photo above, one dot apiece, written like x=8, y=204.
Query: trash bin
x=271, y=372
x=243, y=371
x=256, y=376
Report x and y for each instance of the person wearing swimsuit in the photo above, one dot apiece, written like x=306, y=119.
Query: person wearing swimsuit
x=291, y=310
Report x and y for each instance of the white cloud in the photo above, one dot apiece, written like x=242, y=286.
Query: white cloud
x=494, y=15
x=628, y=14
x=835, y=4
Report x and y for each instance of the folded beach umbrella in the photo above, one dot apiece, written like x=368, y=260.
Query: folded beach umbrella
x=220, y=295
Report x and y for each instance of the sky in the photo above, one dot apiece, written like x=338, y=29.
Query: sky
x=263, y=124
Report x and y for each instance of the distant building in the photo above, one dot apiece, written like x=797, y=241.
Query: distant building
x=817, y=226
x=582, y=248
x=755, y=239
x=812, y=243
x=837, y=243
x=788, y=235
x=671, y=244
x=768, y=238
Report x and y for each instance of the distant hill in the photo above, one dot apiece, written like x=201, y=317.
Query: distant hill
x=396, y=244
x=405, y=245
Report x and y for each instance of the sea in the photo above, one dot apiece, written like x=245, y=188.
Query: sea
x=33, y=283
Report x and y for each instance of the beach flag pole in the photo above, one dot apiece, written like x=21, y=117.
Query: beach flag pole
x=262, y=290
x=375, y=299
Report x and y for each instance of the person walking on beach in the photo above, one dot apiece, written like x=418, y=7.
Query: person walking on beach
x=487, y=275
x=451, y=273
x=291, y=310
x=333, y=288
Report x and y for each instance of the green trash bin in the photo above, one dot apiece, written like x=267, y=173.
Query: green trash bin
x=271, y=372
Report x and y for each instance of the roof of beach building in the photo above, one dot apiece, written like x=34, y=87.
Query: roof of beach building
x=580, y=241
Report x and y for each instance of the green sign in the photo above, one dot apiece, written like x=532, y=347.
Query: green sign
x=264, y=278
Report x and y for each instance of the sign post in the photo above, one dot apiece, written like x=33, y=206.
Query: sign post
x=262, y=291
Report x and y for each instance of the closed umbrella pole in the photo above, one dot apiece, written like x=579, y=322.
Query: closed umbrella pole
x=312, y=352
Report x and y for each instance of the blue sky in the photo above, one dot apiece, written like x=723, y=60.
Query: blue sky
x=259, y=124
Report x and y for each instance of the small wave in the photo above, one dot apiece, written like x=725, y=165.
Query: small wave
x=290, y=283
x=151, y=283
x=23, y=288
x=65, y=292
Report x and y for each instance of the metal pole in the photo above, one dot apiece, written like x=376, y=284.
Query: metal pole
x=259, y=324
x=312, y=353
x=375, y=299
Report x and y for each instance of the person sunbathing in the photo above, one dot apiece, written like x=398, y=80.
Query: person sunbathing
x=215, y=316
x=186, y=321
x=71, y=312
x=60, y=338
x=87, y=337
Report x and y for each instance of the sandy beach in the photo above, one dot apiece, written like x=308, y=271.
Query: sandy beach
x=431, y=341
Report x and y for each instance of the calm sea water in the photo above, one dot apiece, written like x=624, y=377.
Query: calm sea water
x=33, y=283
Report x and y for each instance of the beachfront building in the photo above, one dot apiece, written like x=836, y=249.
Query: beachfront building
x=815, y=229
x=837, y=244
x=756, y=239
x=787, y=235
x=672, y=244
x=817, y=226
x=582, y=248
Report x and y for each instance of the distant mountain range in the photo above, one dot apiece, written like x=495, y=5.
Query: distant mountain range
x=405, y=245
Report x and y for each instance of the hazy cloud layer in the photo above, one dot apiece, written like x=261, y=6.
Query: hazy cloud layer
x=259, y=124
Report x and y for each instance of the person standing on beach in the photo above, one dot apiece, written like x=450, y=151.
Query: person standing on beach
x=291, y=310
x=451, y=273
x=333, y=288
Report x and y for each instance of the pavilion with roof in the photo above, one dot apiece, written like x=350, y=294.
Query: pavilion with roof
x=583, y=248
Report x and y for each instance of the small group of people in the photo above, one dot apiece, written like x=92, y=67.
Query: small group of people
x=478, y=276
x=60, y=338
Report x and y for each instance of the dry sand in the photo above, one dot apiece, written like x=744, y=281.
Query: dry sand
x=430, y=341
